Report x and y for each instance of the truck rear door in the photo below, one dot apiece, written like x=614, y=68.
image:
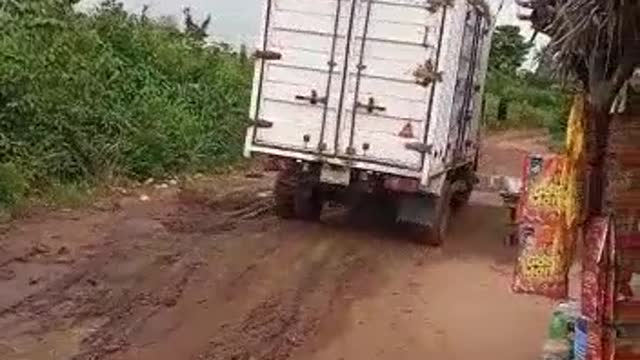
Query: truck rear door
x=298, y=89
x=391, y=79
x=341, y=78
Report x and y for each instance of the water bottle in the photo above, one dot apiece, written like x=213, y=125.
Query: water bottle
x=580, y=341
x=558, y=329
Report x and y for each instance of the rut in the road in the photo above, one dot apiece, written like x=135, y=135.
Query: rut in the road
x=227, y=278
x=280, y=323
x=138, y=265
x=162, y=284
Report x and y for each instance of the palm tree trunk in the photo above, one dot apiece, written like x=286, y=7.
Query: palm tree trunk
x=598, y=141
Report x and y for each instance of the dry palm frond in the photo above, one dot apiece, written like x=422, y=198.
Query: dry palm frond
x=594, y=40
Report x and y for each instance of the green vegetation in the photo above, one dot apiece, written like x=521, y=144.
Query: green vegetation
x=13, y=186
x=518, y=98
x=88, y=97
x=85, y=98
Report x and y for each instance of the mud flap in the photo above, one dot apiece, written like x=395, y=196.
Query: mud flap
x=421, y=209
x=418, y=210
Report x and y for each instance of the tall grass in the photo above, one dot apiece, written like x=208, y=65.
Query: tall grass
x=86, y=97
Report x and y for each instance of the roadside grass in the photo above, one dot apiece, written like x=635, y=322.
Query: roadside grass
x=88, y=98
x=532, y=103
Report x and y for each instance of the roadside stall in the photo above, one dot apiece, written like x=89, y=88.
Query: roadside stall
x=603, y=322
x=620, y=315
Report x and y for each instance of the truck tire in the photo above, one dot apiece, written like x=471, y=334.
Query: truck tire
x=461, y=197
x=297, y=195
x=307, y=203
x=437, y=232
x=284, y=193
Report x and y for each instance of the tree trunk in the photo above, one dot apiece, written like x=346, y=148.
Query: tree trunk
x=598, y=141
x=503, y=110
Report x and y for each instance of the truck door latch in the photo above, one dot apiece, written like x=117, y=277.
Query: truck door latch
x=370, y=106
x=261, y=123
x=426, y=74
x=267, y=55
x=313, y=99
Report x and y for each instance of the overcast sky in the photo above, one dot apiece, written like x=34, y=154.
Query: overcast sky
x=237, y=21
x=234, y=21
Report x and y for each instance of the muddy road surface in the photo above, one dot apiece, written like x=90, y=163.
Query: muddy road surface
x=206, y=271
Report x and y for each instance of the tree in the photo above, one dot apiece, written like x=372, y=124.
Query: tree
x=35, y=8
x=193, y=29
x=546, y=64
x=509, y=49
x=243, y=54
x=598, y=43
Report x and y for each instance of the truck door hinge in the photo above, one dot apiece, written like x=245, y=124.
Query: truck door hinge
x=435, y=5
x=260, y=123
x=419, y=147
x=481, y=7
x=267, y=55
x=426, y=74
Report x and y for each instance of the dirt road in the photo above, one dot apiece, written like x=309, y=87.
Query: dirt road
x=209, y=273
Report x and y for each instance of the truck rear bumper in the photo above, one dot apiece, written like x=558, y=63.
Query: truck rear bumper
x=345, y=162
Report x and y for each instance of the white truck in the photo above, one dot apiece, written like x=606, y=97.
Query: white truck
x=372, y=96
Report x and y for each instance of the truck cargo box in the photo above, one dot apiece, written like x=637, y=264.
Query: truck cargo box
x=387, y=86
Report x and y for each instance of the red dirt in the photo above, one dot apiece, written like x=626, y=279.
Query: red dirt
x=210, y=273
x=504, y=152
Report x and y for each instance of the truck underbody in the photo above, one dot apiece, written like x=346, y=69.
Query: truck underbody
x=302, y=189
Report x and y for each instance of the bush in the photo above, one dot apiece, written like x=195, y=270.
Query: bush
x=13, y=187
x=85, y=97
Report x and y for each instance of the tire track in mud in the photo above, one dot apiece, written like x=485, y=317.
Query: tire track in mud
x=139, y=268
x=92, y=291
x=188, y=226
x=129, y=312
x=198, y=279
x=280, y=323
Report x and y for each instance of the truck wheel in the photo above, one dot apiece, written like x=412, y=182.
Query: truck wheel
x=440, y=226
x=307, y=203
x=284, y=193
x=462, y=196
x=296, y=195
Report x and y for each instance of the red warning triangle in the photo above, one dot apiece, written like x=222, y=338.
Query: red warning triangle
x=407, y=131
